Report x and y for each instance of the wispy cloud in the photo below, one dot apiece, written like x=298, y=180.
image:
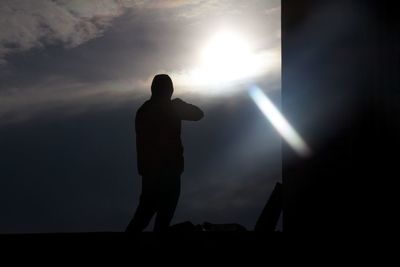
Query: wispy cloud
x=272, y=10
x=109, y=70
x=61, y=96
x=28, y=24
x=31, y=24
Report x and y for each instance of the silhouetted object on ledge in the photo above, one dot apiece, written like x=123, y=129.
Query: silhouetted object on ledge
x=270, y=215
x=206, y=227
x=160, y=154
x=185, y=227
x=225, y=227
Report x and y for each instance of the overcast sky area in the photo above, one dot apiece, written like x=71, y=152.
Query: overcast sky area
x=72, y=75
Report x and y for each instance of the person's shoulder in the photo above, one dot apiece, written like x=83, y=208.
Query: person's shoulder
x=142, y=110
x=144, y=106
x=178, y=102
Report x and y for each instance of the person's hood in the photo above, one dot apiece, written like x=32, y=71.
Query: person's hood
x=162, y=87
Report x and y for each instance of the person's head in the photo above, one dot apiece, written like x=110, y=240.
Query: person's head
x=162, y=87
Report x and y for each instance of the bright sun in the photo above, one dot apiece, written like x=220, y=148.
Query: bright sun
x=226, y=58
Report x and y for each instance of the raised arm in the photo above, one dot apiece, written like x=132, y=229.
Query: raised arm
x=187, y=111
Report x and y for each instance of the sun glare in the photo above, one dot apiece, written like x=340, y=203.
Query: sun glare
x=226, y=58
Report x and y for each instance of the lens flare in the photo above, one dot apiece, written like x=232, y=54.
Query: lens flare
x=279, y=122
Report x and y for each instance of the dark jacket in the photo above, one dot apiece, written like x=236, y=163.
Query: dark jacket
x=158, y=135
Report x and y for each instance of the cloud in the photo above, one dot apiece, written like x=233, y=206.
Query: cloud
x=156, y=4
x=272, y=10
x=154, y=36
x=61, y=96
x=33, y=24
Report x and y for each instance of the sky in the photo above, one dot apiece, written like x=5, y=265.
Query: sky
x=72, y=75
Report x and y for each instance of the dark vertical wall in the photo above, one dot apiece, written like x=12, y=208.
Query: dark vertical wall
x=340, y=89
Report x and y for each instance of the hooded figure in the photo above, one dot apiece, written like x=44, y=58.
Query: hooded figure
x=160, y=154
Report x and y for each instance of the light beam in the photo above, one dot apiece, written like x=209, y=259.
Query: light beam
x=279, y=122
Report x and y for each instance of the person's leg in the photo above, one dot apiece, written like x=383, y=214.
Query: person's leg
x=167, y=205
x=143, y=215
x=146, y=208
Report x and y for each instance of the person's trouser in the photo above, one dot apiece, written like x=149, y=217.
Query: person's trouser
x=160, y=194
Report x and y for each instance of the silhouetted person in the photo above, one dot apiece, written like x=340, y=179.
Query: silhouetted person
x=160, y=154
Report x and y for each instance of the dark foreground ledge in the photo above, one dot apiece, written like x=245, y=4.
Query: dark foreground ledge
x=196, y=242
